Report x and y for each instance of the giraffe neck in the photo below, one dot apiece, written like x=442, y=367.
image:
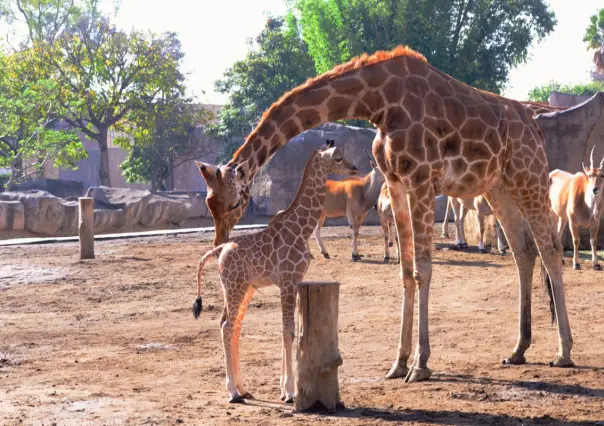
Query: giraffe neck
x=318, y=102
x=307, y=207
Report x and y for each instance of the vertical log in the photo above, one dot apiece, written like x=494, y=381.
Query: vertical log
x=318, y=355
x=86, y=227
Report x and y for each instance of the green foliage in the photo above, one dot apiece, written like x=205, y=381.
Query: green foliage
x=277, y=61
x=594, y=35
x=541, y=93
x=162, y=128
x=475, y=41
x=103, y=74
x=28, y=110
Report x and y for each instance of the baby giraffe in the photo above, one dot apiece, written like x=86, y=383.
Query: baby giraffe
x=276, y=255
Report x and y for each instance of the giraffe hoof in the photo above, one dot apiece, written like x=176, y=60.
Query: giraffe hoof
x=418, y=375
x=397, y=371
x=238, y=399
x=597, y=268
x=514, y=359
x=247, y=395
x=503, y=252
x=356, y=257
x=390, y=244
x=289, y=400
x=483, y=251
x=577, y=266
x=386, y=259
x=326, y=255
x=562, y=362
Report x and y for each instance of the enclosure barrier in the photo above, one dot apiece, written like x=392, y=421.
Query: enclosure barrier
x=86, y=227
x=318, y=355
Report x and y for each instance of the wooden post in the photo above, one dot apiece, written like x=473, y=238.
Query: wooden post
x=318, y=355
x=86, y=227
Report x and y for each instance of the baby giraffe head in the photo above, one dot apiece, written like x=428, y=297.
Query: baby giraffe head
x=333, y=160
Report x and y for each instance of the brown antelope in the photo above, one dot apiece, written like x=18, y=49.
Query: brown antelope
x=352, y=197
x=460, y=207
x=577, y=199
x=384, y=209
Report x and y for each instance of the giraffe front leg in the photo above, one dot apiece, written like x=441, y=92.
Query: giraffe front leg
x=400, y=209
x=288, y=306
x=593, y=240
x=422, y=222
x=227, y=333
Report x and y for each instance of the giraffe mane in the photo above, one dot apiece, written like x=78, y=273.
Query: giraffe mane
x=300, y=187
x=354, y=64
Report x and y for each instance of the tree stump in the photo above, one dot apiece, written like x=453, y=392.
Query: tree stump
x=86, y=227
x=318, y=355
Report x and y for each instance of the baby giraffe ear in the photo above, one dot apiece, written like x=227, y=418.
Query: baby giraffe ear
x=209, y=172
x=243, y=171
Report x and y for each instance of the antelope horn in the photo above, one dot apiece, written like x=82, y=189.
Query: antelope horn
x=591, y=157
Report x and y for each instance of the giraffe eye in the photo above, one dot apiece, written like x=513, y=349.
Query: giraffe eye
x=338, y=160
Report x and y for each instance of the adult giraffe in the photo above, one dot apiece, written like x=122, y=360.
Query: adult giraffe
x=434, y=135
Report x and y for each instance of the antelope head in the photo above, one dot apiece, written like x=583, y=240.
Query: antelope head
x=595, y=177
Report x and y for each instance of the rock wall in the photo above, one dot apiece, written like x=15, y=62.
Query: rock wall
x=276, y=183
x=40, y=213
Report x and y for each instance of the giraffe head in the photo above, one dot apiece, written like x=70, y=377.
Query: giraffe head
x=228, y=194
x=595, y=178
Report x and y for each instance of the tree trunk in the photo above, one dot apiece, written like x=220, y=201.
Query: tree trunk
x=318, y=354
x=16, y=171
x=103, y=141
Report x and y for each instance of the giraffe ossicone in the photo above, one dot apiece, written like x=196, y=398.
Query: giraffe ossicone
x=435, y=135
x=277, y=255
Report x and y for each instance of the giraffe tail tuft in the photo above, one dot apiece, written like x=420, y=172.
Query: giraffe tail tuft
x=197, y=305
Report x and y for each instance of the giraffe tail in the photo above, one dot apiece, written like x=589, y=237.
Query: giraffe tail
x=197, y=305
x=550, y=292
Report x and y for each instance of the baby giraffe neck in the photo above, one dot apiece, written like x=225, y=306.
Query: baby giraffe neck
x=307, y=207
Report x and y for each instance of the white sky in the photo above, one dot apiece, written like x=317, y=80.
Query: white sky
x=214, y=35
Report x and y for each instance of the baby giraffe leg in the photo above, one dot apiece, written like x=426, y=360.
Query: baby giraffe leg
x=236, y=334
x=228, y=340
x=288, y=307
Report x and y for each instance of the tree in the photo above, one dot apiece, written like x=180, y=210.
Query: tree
x=277, y=61
x=594, y=36
x=475, y=41
x=541, y=93
x=162, y=129
x=28, y=119
x=103, y=74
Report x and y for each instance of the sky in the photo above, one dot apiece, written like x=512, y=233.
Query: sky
x=214, y=35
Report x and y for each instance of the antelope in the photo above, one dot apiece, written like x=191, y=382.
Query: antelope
x=577, y=200
x=384, y=209
x=352, y=197
x=461, y=206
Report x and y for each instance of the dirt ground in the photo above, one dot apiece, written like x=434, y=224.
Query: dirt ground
x=113, y=341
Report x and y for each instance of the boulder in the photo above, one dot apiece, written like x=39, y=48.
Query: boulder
x=276, y=184
x=166, y=208
x=44, y=213
x=12, y=216
x=117, y=208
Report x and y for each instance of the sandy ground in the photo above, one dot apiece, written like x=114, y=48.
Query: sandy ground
x=112, y=340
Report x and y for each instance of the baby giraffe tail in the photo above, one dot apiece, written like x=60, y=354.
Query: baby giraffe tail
x=197, y=305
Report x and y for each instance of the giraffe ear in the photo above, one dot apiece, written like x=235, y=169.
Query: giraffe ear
x=243, y=171
x=209, y=172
